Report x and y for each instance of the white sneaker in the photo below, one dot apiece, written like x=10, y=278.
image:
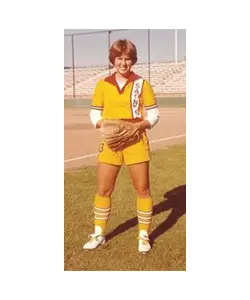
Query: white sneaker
x=144, y=244
x=95, y=241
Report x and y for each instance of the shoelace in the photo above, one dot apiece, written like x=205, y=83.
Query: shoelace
x=94, y=236
x=144, y=239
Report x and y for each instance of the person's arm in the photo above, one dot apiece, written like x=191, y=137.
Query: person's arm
x=99, y=124
x=97, y=106
x=151, y=119
x=143, y=125
x=151, y=107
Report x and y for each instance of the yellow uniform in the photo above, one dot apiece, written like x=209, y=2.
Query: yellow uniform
x=128, y=103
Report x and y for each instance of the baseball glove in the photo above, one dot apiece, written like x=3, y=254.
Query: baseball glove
x=120, y=134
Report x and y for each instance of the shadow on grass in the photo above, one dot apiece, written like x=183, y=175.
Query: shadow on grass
x=175, y=199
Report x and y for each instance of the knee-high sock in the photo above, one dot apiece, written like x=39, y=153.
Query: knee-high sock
x=144, y=213
x=101, y=211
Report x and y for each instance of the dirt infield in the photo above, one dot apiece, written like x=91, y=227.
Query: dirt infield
x=81, y=140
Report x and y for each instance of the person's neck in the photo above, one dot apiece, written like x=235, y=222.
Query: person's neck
x=122, y=78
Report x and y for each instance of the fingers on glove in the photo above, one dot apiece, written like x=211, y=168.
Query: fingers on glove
x=110, y=128
x=124, y=143
x=121, y=146
x=120, y=134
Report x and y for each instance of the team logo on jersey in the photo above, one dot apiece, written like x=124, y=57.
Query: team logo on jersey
x=135, y=103
x=137, y=113
x=136, y=91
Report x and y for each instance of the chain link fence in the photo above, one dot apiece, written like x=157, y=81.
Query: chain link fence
x=161, y=59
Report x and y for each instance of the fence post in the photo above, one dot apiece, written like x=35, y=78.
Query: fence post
x=149, y=64
x=73, y=65
x=176, y=45
x=109, y=32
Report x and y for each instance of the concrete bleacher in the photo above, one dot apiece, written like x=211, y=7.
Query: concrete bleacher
x=165, y=78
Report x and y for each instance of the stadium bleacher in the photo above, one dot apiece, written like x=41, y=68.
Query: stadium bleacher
x=165, y=78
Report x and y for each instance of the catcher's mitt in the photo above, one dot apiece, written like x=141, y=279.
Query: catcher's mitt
x=120, y=134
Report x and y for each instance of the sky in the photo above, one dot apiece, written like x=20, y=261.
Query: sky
x=92, y=49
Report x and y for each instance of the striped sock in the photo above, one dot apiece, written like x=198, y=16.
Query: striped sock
x=144, y=213
x=101, y=212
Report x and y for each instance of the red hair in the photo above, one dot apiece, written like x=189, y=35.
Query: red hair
x=121, y=47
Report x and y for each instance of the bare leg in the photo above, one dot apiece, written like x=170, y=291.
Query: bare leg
x=106, y=178
x=140, y=178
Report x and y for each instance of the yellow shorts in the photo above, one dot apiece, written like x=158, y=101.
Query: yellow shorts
x=139, y=152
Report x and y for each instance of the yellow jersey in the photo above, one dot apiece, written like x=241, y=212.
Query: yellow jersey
x=126, y=103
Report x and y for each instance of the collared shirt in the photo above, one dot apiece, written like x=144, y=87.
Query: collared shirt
x=116, y=103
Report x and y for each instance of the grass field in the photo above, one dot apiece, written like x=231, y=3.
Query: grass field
x=168, y=230
x=162, y=102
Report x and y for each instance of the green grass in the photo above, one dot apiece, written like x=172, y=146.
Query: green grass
x=168, y=230
x=171, y=102
x=162, y=102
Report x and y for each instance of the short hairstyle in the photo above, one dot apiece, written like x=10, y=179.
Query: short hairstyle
x=121, y=47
